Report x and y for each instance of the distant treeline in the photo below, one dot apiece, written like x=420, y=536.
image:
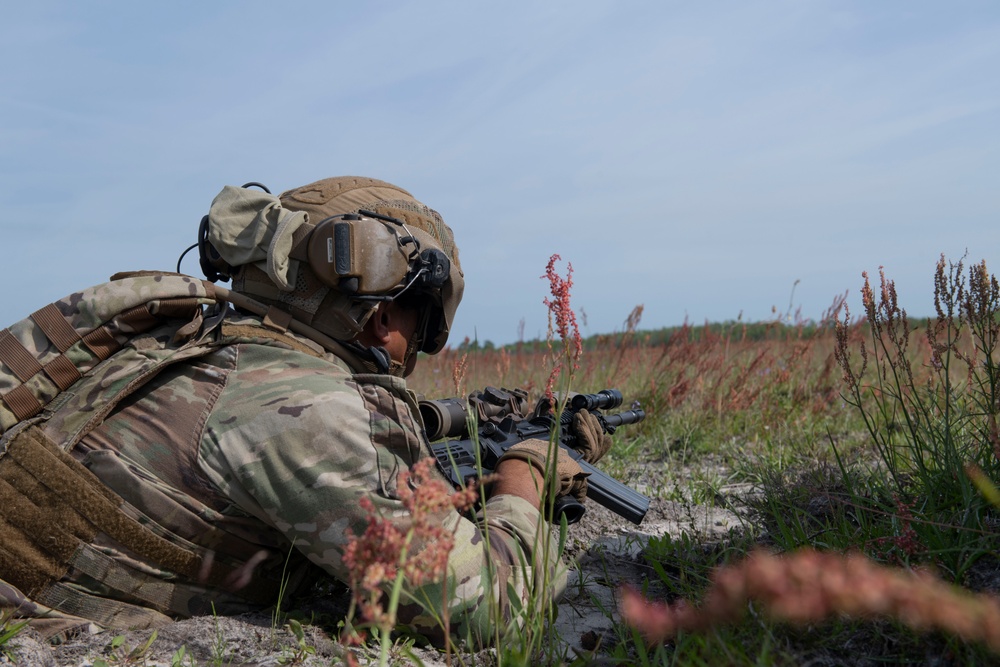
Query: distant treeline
x=734, y=330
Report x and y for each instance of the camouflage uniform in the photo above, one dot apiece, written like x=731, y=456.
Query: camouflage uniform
x=246, y=452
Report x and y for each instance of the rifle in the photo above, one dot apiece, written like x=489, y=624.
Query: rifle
x=502, y=423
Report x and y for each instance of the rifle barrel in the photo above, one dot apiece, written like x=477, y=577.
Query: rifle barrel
x=626, y=417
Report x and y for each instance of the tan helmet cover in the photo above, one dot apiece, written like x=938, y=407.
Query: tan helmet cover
x=268, y=274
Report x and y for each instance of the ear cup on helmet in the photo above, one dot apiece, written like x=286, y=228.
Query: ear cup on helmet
x=359, y=256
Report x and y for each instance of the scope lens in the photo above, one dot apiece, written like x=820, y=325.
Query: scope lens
x=602, y=400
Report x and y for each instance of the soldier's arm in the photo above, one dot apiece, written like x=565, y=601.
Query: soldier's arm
x=298, y=450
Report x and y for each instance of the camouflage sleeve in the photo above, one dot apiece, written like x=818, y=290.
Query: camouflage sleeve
x=299, y=445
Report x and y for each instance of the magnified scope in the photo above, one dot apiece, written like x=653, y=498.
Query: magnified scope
x=606, y=399
x=443, y=418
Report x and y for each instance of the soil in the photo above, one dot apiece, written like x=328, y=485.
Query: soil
x=604, y=549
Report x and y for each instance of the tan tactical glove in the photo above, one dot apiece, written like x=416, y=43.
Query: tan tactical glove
x=571, y=479
x=591, y=440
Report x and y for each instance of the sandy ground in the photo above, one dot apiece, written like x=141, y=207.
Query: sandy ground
x=605, y=550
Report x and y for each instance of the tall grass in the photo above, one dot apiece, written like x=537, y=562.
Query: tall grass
x=771, y=390
x=929, y=402
x=926, y=399
x=9, y=628
x=857, y=434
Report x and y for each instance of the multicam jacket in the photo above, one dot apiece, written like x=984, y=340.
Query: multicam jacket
x=233, y=476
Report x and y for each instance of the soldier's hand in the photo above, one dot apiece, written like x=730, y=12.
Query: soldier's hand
x=571, y=480
x=591, y=440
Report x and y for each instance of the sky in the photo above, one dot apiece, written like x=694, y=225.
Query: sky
x=709, y=161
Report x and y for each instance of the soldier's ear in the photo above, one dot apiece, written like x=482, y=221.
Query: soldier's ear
x=380, y=323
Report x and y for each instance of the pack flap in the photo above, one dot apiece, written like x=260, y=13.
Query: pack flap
x=48, y=351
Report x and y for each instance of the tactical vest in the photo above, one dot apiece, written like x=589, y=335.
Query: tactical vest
x=62, y=371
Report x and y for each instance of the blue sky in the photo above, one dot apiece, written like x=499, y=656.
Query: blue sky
x=696, y=158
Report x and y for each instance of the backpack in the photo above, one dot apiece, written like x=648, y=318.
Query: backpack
x=46, y=353
x=63, y=369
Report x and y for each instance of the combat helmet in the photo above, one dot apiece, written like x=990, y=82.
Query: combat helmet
x=331, y=251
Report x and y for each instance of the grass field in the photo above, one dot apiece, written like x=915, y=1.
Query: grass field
x=864, y=447
x=868, y=441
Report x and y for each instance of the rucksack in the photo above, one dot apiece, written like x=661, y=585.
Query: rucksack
x=63, y=370
x=47, y=352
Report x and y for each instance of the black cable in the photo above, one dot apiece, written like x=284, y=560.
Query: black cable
x=203, y=239
x=190, y=248
x=253, y=184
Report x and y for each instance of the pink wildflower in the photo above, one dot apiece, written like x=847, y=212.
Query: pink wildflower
x=562, y=320
x=459, y=370
x=419, y=546
x=809, y=586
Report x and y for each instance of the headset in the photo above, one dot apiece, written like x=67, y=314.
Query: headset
x=371, y=256
x=365, y=255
